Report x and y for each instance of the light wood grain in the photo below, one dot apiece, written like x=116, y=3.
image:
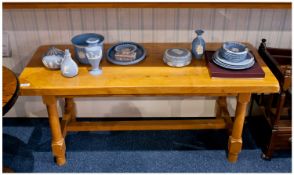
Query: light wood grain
x=57, y=143
x=69, y=114
x=284, y=5
x=235, y=140
x=150, y=76
x=221, y=111
x=10, y=89
x=9, y=85
x=147, y=125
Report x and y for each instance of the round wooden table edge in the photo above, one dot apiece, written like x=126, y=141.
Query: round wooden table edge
x=13, y=99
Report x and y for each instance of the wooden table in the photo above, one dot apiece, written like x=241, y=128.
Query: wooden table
x=10, y=94
x=149, y=77
x=10, y=89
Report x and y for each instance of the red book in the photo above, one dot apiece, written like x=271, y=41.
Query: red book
x=216, y=71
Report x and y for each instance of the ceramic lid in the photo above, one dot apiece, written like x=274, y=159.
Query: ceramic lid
x=177, y=54
x=92, y=40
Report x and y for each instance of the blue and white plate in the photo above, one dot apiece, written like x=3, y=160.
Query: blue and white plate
x=140, y=54
x=217, y=60
x=249, y=59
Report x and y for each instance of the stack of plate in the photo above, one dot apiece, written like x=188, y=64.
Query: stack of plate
x=233, y=55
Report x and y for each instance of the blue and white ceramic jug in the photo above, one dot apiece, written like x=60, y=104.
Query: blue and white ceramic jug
x=198, y=45
x=69, y=68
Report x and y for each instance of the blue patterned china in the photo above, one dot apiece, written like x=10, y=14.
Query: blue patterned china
x=94, y=55
x=232, y=67
x=198, y=45
x=52, y=61
x=80, y=43
x=233, y=51
x=177, y=57
x=120, y=47
x=248, y=60
x=53, y=58
x=132, y=56
x=69, y=67
x=247, y=63
x=54, y=51
x=125, y=52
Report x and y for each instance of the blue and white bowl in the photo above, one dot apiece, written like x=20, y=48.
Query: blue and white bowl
x=79, y=42
x=234, y=51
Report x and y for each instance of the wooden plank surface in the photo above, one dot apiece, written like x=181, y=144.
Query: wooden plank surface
x=146, y=125
x=242, y=5
x=151, y=76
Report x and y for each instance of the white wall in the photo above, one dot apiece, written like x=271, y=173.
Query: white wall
x=27, y=29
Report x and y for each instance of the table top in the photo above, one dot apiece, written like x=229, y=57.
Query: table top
x=10, y=89
x=149, y=77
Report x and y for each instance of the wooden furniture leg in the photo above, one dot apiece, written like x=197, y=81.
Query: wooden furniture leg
x=221, y=110
x=71, y=108
x=57, y=143
x=270, y=147
x=275, y=129
x=218, y=109
x=235, y=140
x=69, y=115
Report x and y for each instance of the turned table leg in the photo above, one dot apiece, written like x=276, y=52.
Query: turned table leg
x=70, y=106
x=221, y=111
x=235, y=140
x=57, y=143
x=220, y=106
x=218, y=110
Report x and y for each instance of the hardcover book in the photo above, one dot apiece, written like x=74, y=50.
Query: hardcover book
x=216, y=71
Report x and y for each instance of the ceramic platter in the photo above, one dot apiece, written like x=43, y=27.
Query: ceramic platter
x=140, y=54
x=245, y=64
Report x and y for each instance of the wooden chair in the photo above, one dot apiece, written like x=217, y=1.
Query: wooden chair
x=277, y=107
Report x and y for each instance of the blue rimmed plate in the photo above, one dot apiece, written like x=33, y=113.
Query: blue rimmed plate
x=249, y=59
x=140, y=54
x=217, y=61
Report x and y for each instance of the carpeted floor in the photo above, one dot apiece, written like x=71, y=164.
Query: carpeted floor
x=26, y=148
